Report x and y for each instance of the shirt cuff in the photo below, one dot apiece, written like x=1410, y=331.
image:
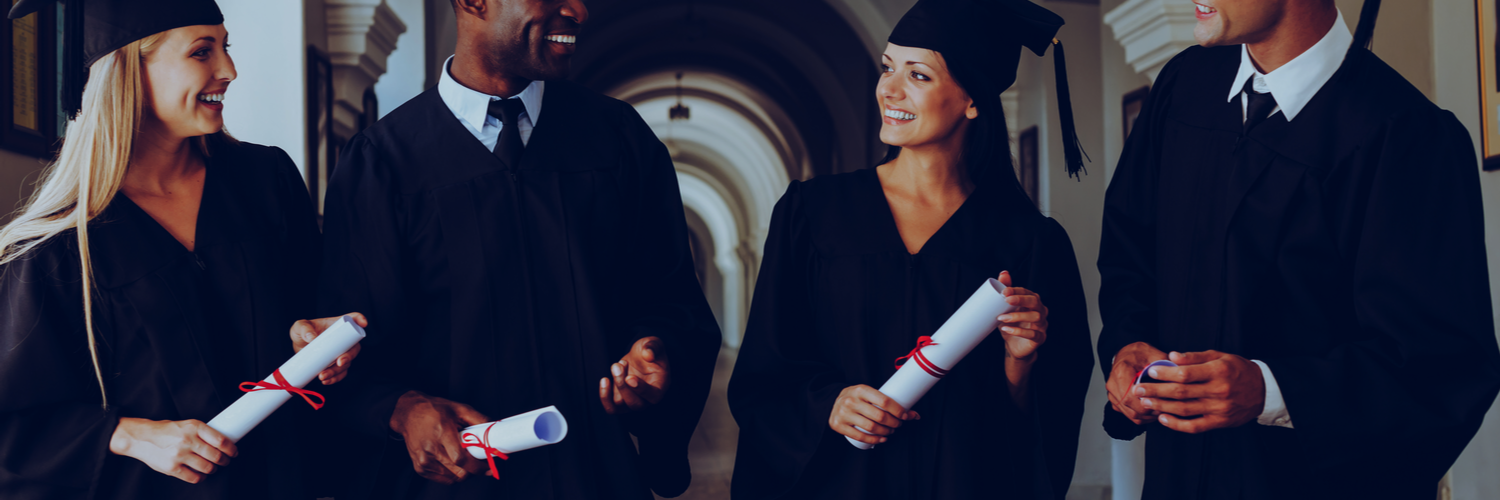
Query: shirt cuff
x=1275, y=413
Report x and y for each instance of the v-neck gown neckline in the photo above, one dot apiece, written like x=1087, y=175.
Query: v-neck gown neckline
x=895, y=229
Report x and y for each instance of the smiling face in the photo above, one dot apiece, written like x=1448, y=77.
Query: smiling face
x=1234, y=22
x=920, y=102
x=186, y=75
x=534, y=39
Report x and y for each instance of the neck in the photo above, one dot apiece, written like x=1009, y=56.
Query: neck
x=472, y=70
x=1302, y=25
x=159, y=160
x=932, y=171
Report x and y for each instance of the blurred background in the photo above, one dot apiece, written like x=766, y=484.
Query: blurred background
x=748, y=95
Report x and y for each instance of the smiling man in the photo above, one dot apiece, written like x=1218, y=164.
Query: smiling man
x=1301, y=231
x=521, y=242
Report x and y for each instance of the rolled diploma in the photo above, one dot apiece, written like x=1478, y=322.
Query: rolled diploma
x=964, y=330
x=253, y=407
x=522, y=432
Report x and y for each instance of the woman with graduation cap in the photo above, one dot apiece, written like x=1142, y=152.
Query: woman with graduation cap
x=155, y=269
x=859, y=265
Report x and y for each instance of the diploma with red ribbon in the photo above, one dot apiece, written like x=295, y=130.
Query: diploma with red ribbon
x=262, y=398
x=934, y=356
x=522, y=432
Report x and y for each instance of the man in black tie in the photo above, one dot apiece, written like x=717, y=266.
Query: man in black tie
x=1307, y=249
x=521, y=243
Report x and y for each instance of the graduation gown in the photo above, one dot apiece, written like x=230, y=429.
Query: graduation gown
x=1344, y=249
x=177, y=332
x=511, y=288
x=839, y=298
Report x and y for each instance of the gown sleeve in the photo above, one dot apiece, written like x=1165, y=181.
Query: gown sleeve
x=1127, y=248
x=362, y=272
x=667, y=303
x=1421, y=300
x=782, y=392
x=54, y=429
x=1060, y=377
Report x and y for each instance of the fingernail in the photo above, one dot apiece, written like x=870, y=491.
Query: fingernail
x=603, y=382
x=882, y=440
x=1004, y=318
x=1152, y=372
x=615, y=369
x=1148, y=403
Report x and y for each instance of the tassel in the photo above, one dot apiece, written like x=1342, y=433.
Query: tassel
x=1365, y=31
x=1072, y=149
x=74, y=72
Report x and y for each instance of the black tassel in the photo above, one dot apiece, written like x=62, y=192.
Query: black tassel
x=74, y=72
x=1072, y=149
x=1365, y=31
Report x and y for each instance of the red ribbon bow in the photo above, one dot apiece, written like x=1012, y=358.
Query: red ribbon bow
x=282, y=385
x=922, y=361
x=472, y=441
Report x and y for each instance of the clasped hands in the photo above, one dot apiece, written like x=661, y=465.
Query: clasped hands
x=430, y=425
x=1207, y=390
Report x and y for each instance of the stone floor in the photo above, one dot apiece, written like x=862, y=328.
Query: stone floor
x=711, y=452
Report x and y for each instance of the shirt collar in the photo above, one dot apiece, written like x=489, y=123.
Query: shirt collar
x=1296, y=82
x=472, y=106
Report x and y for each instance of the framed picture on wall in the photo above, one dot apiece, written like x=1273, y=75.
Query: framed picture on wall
x=1489, y=82
x=28, y=74
x=1026, y=164
x=1131, y=108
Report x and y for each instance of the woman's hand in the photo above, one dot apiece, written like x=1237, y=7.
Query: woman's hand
x=861, y=406
x=1024, y=329
x=303, y=333
x=184, y=449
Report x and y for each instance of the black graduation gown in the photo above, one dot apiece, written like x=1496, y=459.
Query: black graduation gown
x=177, y=332
x=839, y=298
x=511, y=289
x=1344, y=249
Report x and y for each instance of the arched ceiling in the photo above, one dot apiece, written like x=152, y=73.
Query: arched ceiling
x=802, y=54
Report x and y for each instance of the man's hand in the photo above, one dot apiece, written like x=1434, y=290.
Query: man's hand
x=1128, y=363
x=1221, y=390
x=303, y=333
x=431, y=426
x=640, y=379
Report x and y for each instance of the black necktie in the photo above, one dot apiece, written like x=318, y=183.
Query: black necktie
x=508, y=148
x=1258, y=106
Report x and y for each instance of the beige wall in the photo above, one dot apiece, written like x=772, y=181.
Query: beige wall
x=1403, y=37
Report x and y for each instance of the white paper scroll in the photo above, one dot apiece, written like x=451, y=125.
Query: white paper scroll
x=253, y=407
x=522, y=432
x=964, y=330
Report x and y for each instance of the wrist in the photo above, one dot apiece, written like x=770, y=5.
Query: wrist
x=404, y=404
x=120, y=440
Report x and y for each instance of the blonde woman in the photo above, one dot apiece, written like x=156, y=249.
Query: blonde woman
x=155, y=269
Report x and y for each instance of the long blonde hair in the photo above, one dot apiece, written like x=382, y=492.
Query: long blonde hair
x=89, y=170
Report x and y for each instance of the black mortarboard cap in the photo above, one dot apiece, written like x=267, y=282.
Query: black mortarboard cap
x=95, y=28
x=988, y=35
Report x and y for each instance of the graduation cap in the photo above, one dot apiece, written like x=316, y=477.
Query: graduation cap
x=94, y=28
x=990, y=35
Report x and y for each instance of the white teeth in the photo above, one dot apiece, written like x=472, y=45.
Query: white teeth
x=568, y=39
x=900, y=115
x=1202, y=9
x=211, y=97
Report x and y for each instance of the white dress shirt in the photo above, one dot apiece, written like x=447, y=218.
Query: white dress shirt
x=472, y=108
x=1292, y=85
